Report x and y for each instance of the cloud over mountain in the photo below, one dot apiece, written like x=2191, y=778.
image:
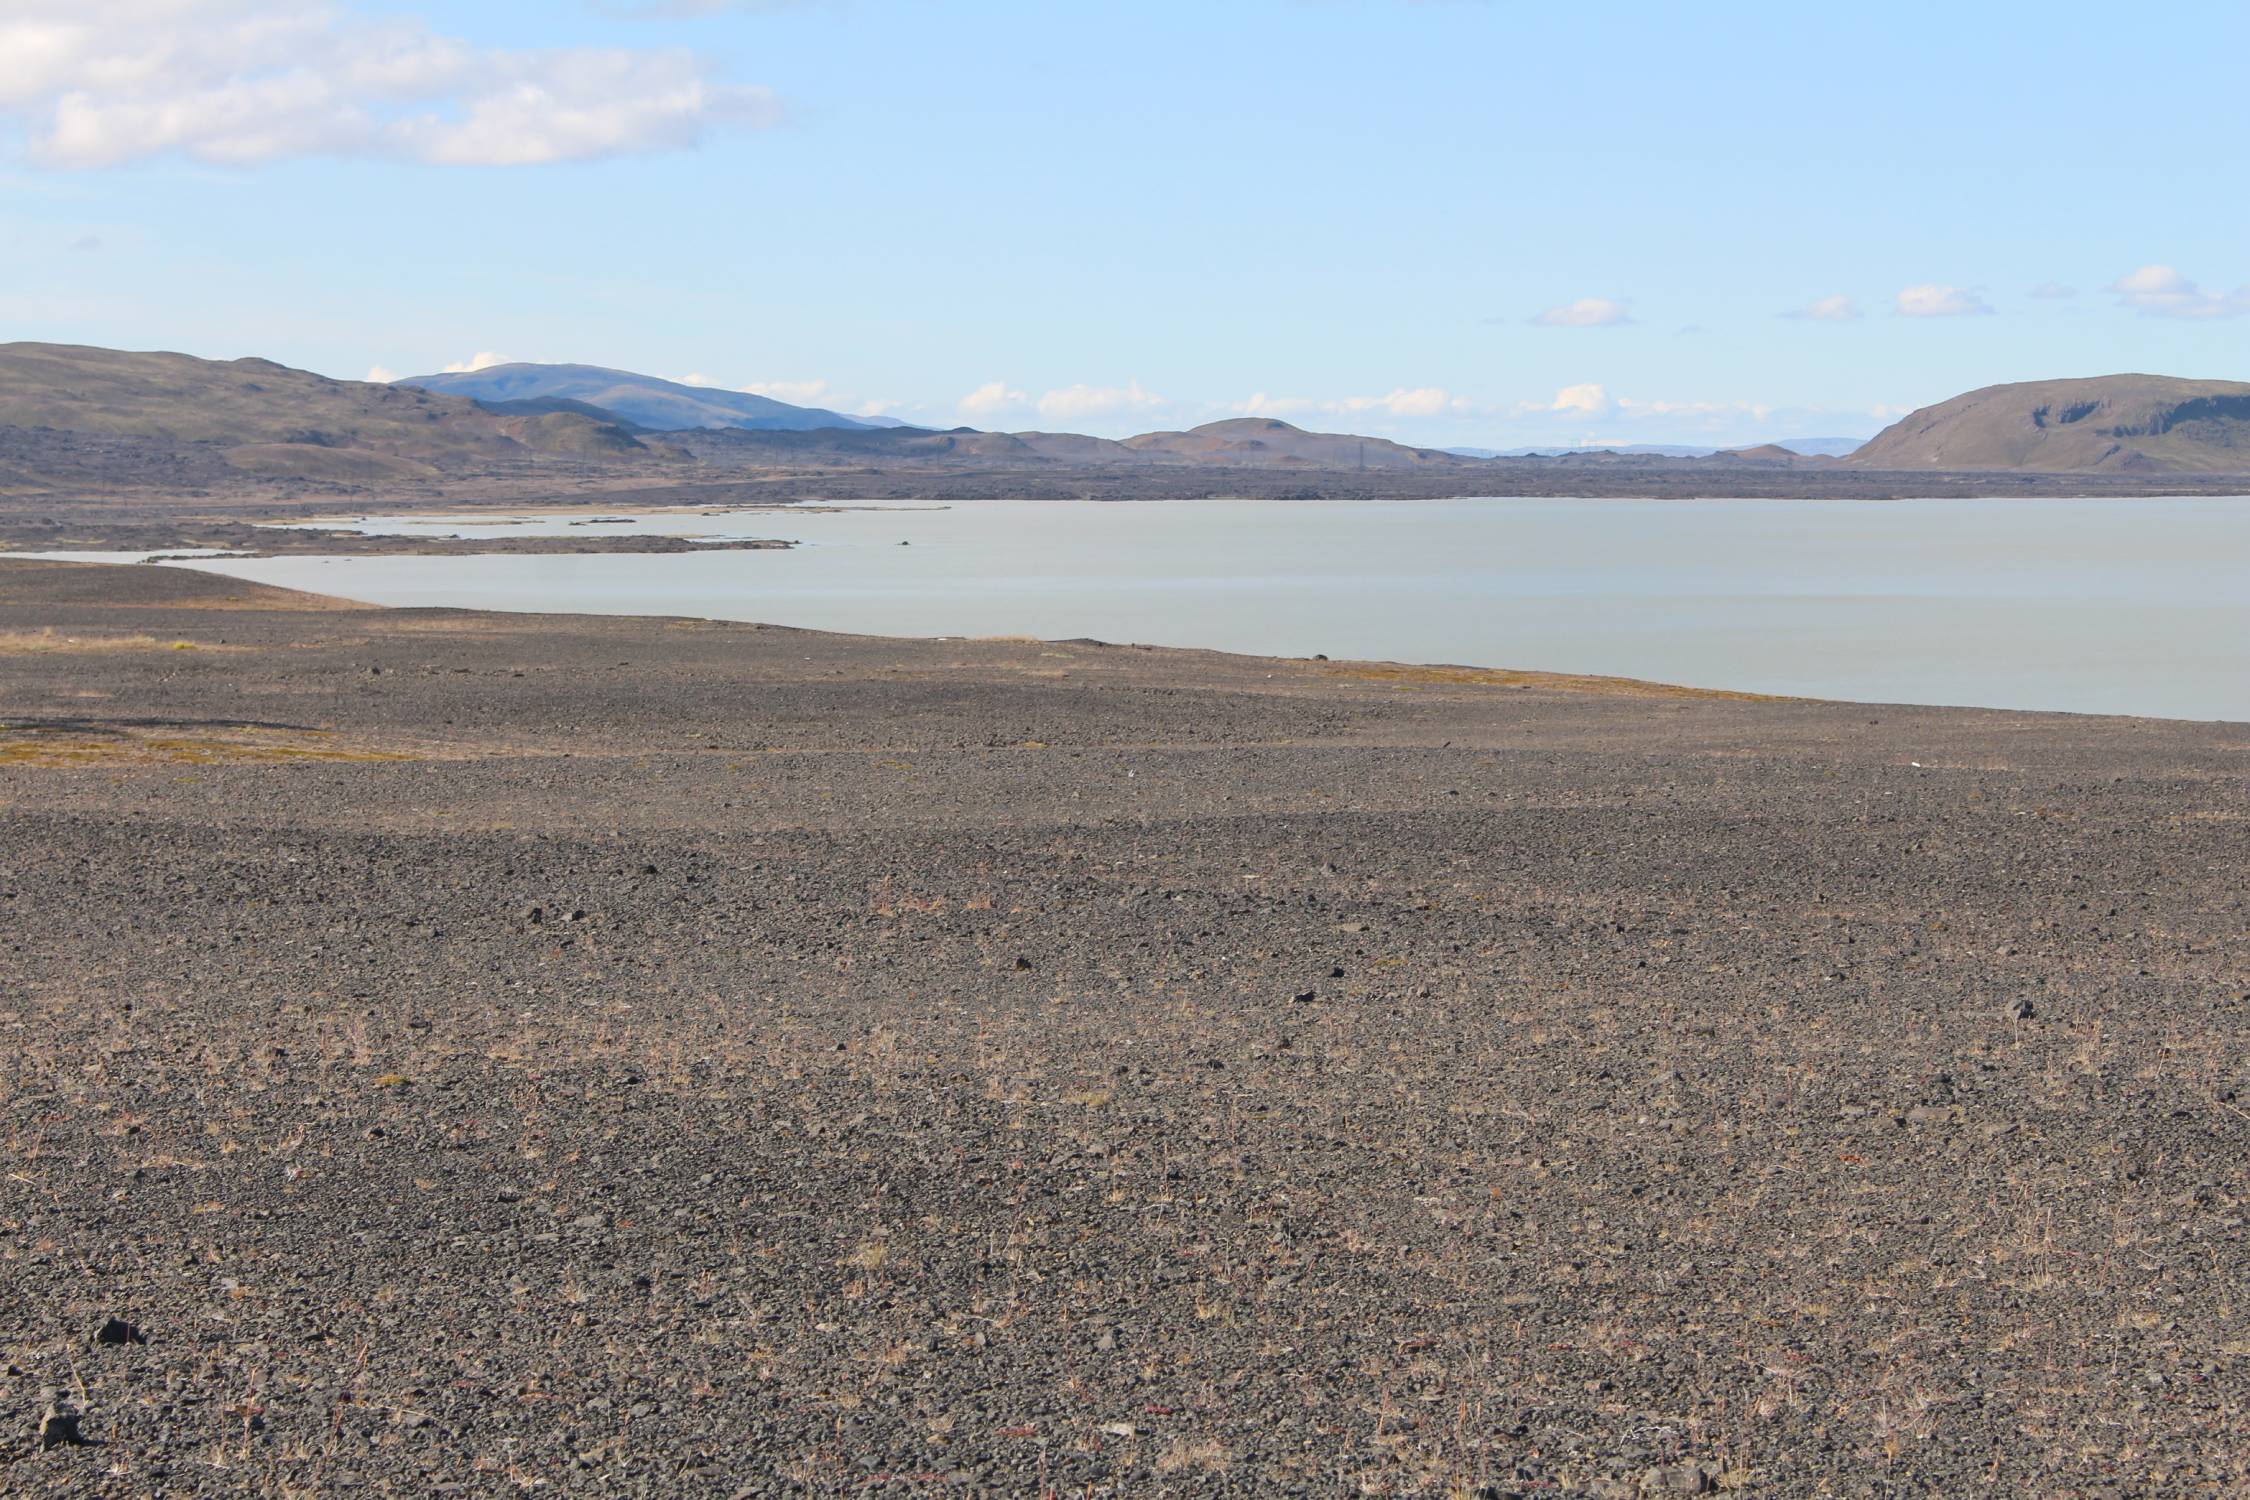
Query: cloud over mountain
x=1417, y=401
x=2162, y=292
x=1078, y=402
x=990, y=398
x=1587, y=400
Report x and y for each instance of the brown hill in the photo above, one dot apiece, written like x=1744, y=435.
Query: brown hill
x=1264, y=442
x=1768, y=453
x=260, y=418
x=2108, y=424
x=1244, y=443
x=1077, y=448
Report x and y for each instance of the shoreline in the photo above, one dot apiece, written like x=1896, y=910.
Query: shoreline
x=527, y=514
x=1401, y=675
x=254, y=541
x=906, y=598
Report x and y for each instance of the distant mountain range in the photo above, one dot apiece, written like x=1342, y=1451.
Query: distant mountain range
x=1238, y=443
x=2145, y=424
x=82, y=420
x=1266, y=442
x=651, y=404
x=647, y=402
x=74, y=414
x=1810, y=447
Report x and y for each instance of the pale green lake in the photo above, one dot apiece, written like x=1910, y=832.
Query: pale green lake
x=2116, y=606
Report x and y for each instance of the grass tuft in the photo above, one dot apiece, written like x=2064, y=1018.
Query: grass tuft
x=49, y=641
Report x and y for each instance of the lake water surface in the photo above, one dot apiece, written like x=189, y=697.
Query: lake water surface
x=2120, y=606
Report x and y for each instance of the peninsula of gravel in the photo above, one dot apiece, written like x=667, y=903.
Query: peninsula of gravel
x=481, y=1054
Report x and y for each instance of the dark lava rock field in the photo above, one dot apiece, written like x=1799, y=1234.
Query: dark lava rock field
x=481, y=1054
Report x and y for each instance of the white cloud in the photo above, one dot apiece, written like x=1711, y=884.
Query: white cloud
x=1588, y=400
x=1423, y=401
x=377, y=375
x=2053, y=291
x=99, y=83
x=1075, y=403
x=1695, y=410
x=1592, y=402
x=482, y=360
x=1933, y=301
x=2161, y=292
x=1262, y=405
x=1418, y=401
x=795, y=392
x=817, y=393
x=1586, y=312
x=991, y=397
x=1836, y=309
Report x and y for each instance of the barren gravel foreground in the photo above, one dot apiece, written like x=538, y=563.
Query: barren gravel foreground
x=476, y=1054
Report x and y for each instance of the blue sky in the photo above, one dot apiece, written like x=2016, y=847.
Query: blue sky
x=1441, y=220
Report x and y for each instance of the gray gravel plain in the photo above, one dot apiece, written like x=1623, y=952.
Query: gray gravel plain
x=454, y=1053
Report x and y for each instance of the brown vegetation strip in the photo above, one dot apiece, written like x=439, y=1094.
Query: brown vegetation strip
x=50, y=640
x=78, y=747
x=1561, y=682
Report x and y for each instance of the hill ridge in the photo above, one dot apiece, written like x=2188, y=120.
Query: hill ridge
x=2131, y=423
x=188, y=419
x=648, y=401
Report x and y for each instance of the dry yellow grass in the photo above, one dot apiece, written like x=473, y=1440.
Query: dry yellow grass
x=50, y=640
x=1209, y=1456
x=67, y=749
x=259, y=598
x=1560, y=682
